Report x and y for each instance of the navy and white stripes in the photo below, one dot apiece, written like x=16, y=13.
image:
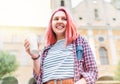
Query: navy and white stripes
x=59, y=62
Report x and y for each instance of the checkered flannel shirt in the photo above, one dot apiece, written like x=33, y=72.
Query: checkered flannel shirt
x=85, y=67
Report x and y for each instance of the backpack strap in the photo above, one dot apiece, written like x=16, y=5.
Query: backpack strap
x=79, y=48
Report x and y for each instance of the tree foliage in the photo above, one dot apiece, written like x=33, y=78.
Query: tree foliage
x=8, y=63
x=10, y=80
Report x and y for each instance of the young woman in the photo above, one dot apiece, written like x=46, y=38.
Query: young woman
x=67, y=57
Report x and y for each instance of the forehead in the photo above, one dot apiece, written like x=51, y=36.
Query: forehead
x=59, y=14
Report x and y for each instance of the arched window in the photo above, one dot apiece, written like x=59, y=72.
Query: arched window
x=62, y=3
x=103, y=56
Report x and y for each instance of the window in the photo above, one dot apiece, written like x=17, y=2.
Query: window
x=101, y=39
x=96, y=14
x=62, y=3
x=103, y=56
x=114, y=19
x=80, y=18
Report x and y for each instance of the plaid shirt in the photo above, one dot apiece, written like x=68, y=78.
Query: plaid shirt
x=85, y=67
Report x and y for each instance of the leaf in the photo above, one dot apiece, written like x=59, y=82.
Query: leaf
x=8, y=63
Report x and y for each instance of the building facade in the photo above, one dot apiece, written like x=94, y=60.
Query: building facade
x=96, y=20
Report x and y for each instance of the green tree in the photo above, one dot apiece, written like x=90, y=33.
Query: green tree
x=8, y=63
x=9, y=80
x=117, y=73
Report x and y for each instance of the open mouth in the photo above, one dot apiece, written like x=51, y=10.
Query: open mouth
x=61, y=26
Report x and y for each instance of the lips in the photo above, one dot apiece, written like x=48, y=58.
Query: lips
x=61, y=26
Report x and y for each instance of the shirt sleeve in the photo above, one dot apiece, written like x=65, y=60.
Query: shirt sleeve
x=37, y=77
x=91, y=72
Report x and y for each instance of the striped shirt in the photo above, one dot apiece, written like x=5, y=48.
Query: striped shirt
x=59, y=62
x=83, y=68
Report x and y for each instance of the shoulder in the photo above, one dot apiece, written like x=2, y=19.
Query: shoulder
x=81, y=38
x=46, y=47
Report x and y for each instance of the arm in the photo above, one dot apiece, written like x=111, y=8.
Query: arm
x=89, y=71
x=36, y=65
x=36, y=71
x=36, y=60
x=81, y=81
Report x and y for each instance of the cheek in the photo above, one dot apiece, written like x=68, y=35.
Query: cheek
x=53, y=24
x=65, y=22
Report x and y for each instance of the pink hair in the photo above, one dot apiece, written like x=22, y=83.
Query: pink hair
x=70, y=33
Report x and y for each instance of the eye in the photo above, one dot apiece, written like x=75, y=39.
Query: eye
x=64, y=18
x=56, y=18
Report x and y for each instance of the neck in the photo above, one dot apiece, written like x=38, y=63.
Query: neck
x=59, y=38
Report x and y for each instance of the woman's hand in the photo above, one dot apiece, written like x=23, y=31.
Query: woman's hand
x=36, y=63
x=27, y=48
x=81, y=81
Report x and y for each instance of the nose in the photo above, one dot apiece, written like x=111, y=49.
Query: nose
x=60, y=20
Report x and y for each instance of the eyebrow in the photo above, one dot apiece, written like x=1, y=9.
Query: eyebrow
x=58, y=16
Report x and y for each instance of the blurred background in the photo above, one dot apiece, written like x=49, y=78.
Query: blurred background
x=97, y=20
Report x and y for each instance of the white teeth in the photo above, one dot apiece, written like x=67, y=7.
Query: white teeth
x=59, y=27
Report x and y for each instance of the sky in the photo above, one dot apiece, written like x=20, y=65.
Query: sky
x=26, y=12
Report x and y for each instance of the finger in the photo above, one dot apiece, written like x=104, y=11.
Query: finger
x=27, y=48
x=25, y=42
x=27, y=45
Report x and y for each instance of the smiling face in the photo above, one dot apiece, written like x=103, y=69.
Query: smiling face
x=59, y=22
